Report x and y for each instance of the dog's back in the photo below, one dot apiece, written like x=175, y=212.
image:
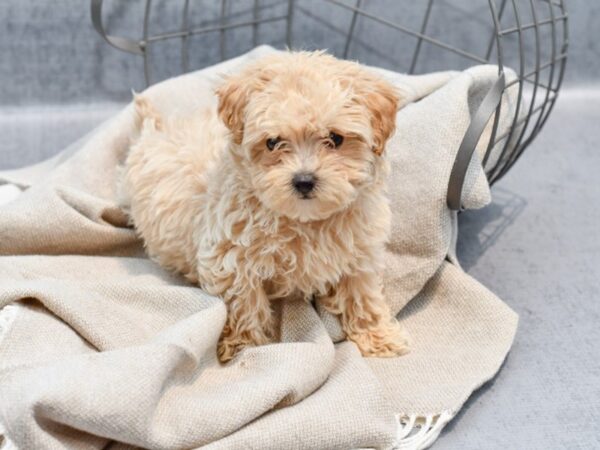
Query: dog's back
x=164, y=178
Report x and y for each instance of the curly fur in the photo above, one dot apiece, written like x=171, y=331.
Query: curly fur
x=212, y=202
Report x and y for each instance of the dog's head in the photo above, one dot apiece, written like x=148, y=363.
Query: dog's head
x=308, y=129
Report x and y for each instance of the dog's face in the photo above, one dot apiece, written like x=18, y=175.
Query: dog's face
x=308, y=129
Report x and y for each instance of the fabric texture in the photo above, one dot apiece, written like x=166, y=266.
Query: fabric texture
x=106, y=347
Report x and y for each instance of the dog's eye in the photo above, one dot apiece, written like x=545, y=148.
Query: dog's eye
x=272, y=143
x=335, y=139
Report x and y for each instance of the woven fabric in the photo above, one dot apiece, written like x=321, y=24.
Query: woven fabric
x=106, y=348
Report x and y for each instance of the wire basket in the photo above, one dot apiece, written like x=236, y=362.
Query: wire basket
x=529, y=36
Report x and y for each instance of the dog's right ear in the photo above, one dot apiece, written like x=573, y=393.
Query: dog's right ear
x=235, y=93
x=233, y=98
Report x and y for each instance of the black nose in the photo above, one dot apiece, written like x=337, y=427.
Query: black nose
x=304, y=182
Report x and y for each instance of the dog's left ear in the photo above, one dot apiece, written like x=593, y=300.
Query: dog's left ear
x=382, y=100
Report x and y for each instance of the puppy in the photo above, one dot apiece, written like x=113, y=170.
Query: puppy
x=280, y=191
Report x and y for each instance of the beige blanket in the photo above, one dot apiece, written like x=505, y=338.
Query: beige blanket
x=99, y=347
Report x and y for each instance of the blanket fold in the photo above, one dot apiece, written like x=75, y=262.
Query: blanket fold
x=101, y=348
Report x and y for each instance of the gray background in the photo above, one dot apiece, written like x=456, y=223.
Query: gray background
x=51, y=54
x=537, y=246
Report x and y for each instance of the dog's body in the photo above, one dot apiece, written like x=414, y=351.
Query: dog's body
x=261, y=200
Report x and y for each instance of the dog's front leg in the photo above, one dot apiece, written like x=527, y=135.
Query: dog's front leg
x=358, y=300
x=249, y=321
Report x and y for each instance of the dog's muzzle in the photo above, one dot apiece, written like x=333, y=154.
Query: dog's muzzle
x=304, y=183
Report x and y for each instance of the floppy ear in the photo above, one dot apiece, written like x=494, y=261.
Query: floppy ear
x=236, y=91
x=382, y=100
x=233, y=97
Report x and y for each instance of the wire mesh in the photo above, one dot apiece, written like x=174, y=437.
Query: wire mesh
x=530, y=36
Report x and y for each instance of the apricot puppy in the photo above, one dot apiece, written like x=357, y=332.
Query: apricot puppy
x=278, y=192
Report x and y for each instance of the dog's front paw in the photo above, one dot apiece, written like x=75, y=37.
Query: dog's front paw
x=383, y=341
x=229, y=346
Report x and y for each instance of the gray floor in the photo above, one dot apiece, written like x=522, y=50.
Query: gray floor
x=538, y=247
x=34, y=133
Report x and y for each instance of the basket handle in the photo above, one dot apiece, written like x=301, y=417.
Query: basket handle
x=469, y=142
x=127, y=45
